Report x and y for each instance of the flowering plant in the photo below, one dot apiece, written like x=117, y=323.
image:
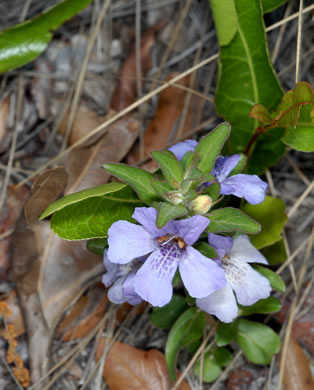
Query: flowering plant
x=179, y=239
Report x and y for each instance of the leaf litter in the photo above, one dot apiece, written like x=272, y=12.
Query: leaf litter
x=52, y=275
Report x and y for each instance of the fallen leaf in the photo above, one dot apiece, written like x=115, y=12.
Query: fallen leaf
x=8, y=217
x=125, y=91
x=4, y=110
x=297, y=374
x=130, y=368
x=166, y=119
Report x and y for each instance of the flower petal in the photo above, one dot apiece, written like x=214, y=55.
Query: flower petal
x=224, y=165
x=201, y=276
x=128, y=241
x=153, y=281
x=115, y=292
x=249, y=187
x=222, y=244
x=112, y=271
x=129, y=290
x=147, y=217
x=191, y=228
x=181, y=148
x=221, y=303
x=248, y=285
x=243, y=250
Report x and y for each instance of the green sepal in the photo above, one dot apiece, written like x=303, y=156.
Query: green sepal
x=210, y=146
x=170, y=166
x=137, y=178
x=168, y=212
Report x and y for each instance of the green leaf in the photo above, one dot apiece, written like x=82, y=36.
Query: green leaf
x=213, y=191
x=261, y=113
x=170, y=166
x=70, y=199
x=162, y=188
x=267, y=152
x=257, y=341
x=210, y=146
x=275, y=280
x=138, y=179
x=255, y=80
x=164, y=317
x=223, y=356
x=226, y=333
x=97, y=245
x=240, y=166
x=187, y=329
x=167, y=212
x=230, y=219
x=225, y=16
x=301, y=135
x=189, y=159
x=92, y=217
x=272, y=217
x=211, y=370
x=271, y=5
x=276, y=253
x=205, y=249
x=24, y=42
x=263, y=306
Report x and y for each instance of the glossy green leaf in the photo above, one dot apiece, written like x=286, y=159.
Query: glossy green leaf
x=92, y=217
x=102, y=190
x=187, y=329
x=211, y=369
x=272, y=217
x=138, y=179
x=206, y=249
x=97, y=245
x=223, y=356
x=164, y=317
x=276, y=253
x=170, y=166
x=230, y=219
x=275, y=280
x=167, y=212
x=257, y=341
x=162, y=188
x=225, y=17
x=210, y=146
x=263, y=306
x=226, y=333
x=24, y=42
x=246, y=76
x=271, y=5
x=188, y=160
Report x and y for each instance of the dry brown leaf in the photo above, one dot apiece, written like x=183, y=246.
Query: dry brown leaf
x=130, y=368
x=4, y=110
x=8, y=217
x=168, y=113
x=125, y=91
x=297, y=374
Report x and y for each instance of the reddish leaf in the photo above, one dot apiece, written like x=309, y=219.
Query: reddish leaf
x=130, y=368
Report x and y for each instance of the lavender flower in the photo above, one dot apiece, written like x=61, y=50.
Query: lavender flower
x=248, y=285
x=169, y=248
x=121, y=279
x=249, y=187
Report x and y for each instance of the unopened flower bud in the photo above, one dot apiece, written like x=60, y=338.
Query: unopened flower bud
x=201, y=204
x=176, y=197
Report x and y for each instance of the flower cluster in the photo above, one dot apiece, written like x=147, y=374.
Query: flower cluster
x=142, y=259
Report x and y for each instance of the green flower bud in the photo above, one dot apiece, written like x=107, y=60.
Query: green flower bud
x=201, y=205
x=176, y=197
